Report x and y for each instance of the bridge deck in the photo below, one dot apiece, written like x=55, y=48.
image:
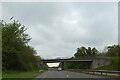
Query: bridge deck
x=55, y=60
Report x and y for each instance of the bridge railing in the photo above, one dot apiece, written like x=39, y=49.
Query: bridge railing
x=103, y=72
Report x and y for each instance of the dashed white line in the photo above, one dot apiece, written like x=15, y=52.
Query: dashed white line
x=45, y=75
x=67, y=76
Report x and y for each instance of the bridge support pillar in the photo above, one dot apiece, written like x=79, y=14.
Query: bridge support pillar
x=89, y=65
x=63, y=65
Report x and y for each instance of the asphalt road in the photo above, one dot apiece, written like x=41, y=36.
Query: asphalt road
x=65, y=75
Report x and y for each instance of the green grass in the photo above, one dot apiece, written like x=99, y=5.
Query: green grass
x=113, y=66
x=16, y=74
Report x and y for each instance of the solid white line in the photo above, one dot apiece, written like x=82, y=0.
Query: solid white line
x=45, y=75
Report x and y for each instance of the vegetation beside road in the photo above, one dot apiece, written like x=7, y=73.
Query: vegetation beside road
x=19, y=59
x=114, y=53
x=24, y=74
x=21, y=74
x=111, y=52
x=104, y=75
x=17, y=54
x=114, y=66
x=97, y=74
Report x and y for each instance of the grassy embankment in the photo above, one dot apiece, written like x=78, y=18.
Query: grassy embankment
x=114, y=66
x=19, y=74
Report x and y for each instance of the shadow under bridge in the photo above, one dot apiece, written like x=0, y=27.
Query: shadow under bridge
x=65, y=63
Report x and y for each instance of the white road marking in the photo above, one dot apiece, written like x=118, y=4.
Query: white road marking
x=45, y=75
x=67, y=76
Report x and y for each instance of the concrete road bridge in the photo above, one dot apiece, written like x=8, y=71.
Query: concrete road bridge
x=90, y=63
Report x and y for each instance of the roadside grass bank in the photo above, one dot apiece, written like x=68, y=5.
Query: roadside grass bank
x=115, y=65
x=21, y=74
x=104, y=75
x=98, y=74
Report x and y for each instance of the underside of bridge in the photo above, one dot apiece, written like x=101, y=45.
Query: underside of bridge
x=72, y=64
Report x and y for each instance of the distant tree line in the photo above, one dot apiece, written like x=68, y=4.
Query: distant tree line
x=110, y=51
x=16, y=53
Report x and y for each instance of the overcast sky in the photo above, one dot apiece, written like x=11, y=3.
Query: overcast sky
x=57, y=29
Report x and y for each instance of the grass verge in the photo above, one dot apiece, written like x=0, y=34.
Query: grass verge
x=18, y=74
x=113, y=66
x=107, y=76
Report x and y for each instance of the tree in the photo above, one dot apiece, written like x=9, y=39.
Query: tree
x=113, y=50
x=89, y=51
x=94, y=51
x=16, y=53
x=82, y=51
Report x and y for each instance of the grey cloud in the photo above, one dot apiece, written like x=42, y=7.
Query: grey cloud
x=57, y=29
